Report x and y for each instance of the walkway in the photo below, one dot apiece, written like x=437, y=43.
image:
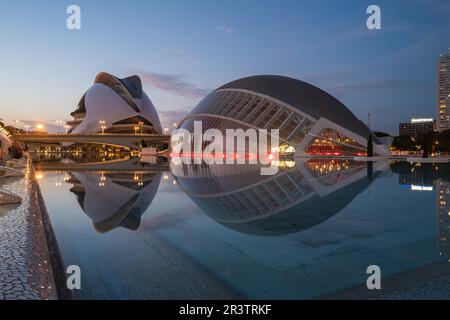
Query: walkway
x=25, y=267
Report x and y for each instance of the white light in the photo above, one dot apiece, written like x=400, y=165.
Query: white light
x=421, y=188
x=421, y=120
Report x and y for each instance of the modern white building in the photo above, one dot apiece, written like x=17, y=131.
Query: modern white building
x=116, y=199
x=443, y=94
x=114, y=105
x=309, y=120
x=5, y=144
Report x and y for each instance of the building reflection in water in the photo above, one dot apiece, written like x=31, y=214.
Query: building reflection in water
x=116, y=199
x=429, y=177
x=78, y=157
x=297, y=198
x=443, y=211
x=304, y=193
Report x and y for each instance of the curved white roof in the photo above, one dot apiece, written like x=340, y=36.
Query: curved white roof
x=305, y=97
x=111, y=99
x=109, y=206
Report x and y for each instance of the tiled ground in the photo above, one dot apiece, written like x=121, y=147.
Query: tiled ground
x=25, y=270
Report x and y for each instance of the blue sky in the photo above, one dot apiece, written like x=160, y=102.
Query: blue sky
x=183, y=49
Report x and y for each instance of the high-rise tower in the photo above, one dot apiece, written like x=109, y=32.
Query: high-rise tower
x=443, y=106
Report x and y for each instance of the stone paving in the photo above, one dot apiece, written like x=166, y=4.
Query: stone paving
x=25, y=267
x=7, y=198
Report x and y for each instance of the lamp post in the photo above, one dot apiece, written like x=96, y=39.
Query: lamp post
x=16, y=124
x=40, y=127
x=59, y=124
x=102, y=125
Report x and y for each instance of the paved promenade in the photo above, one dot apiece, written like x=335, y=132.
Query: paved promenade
x=25, y=267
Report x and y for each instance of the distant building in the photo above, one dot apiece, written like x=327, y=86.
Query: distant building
x=443, y=105
x=416, y=127
x=385, y=138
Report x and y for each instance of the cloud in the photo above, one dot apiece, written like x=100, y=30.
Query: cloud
x=170, y=117
x=225, y=29
x=173, y=84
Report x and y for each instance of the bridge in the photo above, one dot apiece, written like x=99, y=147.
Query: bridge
x=120, y=140
x=126, y=165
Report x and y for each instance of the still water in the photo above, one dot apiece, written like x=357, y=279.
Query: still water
x=225, y=231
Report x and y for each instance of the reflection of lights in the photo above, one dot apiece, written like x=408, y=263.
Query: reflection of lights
x=102, y=180
x=421, y=188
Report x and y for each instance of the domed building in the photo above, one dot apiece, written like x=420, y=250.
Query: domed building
x=114, y=105
x=117, y=199
x=298, y=198
x=311, y=121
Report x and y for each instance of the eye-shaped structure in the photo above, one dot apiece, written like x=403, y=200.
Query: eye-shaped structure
x=298, y=198
x=310, y=120
x=115, y=105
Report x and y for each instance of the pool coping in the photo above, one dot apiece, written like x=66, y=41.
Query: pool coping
x=56, y=259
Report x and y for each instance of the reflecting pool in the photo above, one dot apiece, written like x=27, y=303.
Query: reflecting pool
x=225, y=231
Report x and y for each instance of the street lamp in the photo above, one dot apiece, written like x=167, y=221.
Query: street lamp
x=102, y=125
x=16, y=124
x=59, y=124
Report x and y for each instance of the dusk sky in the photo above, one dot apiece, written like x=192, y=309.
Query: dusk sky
x=183, y=49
